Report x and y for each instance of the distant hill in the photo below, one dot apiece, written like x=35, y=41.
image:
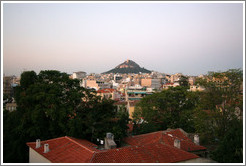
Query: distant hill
x=128, y=66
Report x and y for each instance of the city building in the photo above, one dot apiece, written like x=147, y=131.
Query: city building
x=191, y=80
x=151, y=83
x=195, y=88
x=96, y=84
x=136, y=93
x=109, y=93
x=7, y=88
x=131, y=107
x=9, y=82
x=168, y=85
x=11, y=106
x=175, y=77
x=79, y=75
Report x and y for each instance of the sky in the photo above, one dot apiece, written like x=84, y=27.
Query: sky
x=188, y=38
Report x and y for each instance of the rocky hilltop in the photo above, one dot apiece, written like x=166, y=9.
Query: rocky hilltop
x=128, y=66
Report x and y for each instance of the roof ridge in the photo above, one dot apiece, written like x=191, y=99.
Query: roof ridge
x=148, y=133
x=93, y=157
x=163, y=143
x=47, y=140
x=79, y=144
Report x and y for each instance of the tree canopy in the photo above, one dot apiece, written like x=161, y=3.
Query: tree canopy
x=223, y=102
x=215, y=113
x=52, y=105
x=170, y=108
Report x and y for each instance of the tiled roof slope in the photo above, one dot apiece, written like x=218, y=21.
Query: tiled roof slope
x=185, y=142
x=146, y=148
x=66, y=150
x=106, y=90
x=151, y=153
x=144, y=139
x=166, y=137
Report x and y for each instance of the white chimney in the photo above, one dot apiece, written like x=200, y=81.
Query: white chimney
x=109, y=141
x=38, y=143
x=101, y=141
x=110, y=135
x=46, y=148
x=196, y=139
x=177, y=143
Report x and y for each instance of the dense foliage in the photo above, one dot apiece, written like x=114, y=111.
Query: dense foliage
x=215, y=114
x=51, y=105
x=223, y=125
x=170, y=108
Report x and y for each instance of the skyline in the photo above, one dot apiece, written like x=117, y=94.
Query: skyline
x=188, y=38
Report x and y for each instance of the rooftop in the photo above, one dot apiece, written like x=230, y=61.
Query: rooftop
x=167, y=137
x=106, y=90
x=156, y=147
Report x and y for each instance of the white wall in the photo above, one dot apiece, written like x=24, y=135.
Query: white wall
x=35, y=157
x=198, y=160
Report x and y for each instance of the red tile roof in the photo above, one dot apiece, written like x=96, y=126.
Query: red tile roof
x=66, y=150
x=106, y=90
x=185, y=142
x=146, y=148
x=144, y=139
x=151, y=153
x=167, y=137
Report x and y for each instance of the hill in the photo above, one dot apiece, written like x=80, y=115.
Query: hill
x=128, y=66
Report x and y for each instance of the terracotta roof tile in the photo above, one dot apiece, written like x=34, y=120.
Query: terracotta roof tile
x=185, y=142
x=167, y=137
x=146, y=148
x=151, y=153
x=144, y=139
x=66, y=150
x=106, y=90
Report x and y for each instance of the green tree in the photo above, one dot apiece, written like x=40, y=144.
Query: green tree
x=170, y=108
x=14, y=147
x=51, y=105
x=220, y=110
x=230, y=149
x=222, y=97
x=28, y=78
x=183, y=81
x=119, y=125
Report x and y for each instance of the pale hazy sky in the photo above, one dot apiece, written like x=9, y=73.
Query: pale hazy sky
x=180, y=37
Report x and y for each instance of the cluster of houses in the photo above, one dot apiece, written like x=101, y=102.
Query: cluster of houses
x=128, y=89
x=154, y=81
x=169, y=146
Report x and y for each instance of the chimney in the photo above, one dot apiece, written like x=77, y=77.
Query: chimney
x=109, y=141
x=196, y=139
x=46, y=148
x=177, y=143
x=110, y=136
x=38, y=143
x=101, y=142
